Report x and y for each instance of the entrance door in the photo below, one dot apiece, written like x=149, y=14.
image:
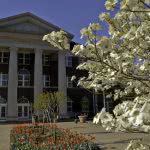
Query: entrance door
x=23, y=110
x=2, y=111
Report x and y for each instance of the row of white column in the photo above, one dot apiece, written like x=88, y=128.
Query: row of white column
x=12, y=112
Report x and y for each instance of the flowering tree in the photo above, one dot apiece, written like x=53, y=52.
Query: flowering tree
x=123, y=58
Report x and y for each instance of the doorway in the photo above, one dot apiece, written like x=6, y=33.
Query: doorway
x=23, y=108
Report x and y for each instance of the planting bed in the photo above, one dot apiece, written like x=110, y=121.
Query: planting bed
x=48, y=137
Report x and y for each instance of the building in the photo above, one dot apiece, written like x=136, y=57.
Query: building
x=29, y=66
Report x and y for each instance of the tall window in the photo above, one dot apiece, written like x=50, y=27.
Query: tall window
x=69, y=82
x=4, y=57
x=24, y=77
x=69, y=104
x=24, y=58
x=46, y=80
x=68, y=61
x=46, y=59
x=23, y=107
x=3, y=104
x=3, y=79
x=85, y=104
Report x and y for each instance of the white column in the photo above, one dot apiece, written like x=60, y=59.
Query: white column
x=62, y=86
x=12, y=85
x=38, y=74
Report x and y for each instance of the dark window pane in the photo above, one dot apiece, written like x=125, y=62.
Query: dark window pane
x=20, y=61
x=26, y=77
x=3, y=111
x=69, y=109
x=20, y=77
x=20, y=83
x=6, y=55
x=5, y=60
x=47, y=84
x=46, y=60
x=27, y=56
x=69, y=104
x=20, y=55
x=27, y=83
x=4, y=83
x=47, y=78
x=5, y=76
x=19, y=111
x=23, y=58
x=27, y=61
x=25, y=111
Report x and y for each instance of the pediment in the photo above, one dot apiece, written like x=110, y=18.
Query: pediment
x=27, y=23
x=25, y=27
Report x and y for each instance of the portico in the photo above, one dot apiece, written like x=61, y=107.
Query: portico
x=21, y=38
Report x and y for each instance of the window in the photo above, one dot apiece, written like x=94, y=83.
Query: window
x=4, y=57
x=23, y=107
x=69, y=82
x=68, y=61
x=23, y=100
x=2, y=100
x=46, y=80
x=3, y=104
x=46, y=60
x=24, y=58
x=85, y=104
x=24, y=78
x=69, y=104
x=3, y=79
x=19, y=111
x=3, y=112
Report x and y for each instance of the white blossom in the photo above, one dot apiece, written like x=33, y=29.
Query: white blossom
x=142, y=67
x=110, y=4
x=73, y=78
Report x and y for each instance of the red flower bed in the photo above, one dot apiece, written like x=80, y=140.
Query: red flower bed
x=47, y=137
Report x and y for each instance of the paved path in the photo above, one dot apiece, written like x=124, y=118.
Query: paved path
x=4, y=136
x=108, y=140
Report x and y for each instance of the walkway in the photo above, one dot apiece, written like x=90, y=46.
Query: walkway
x=107, y=140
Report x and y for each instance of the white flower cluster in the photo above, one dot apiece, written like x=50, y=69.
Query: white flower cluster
x=110, y=4
x=89, y=31
x=58, y=39
x=105, y=119
x=129, y=116
x=137, y=145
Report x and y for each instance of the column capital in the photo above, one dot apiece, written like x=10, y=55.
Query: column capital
x=61, y=52
x=38, y=50
x=13, y=48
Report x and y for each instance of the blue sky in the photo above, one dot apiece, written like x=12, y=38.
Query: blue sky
x=71, y=15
